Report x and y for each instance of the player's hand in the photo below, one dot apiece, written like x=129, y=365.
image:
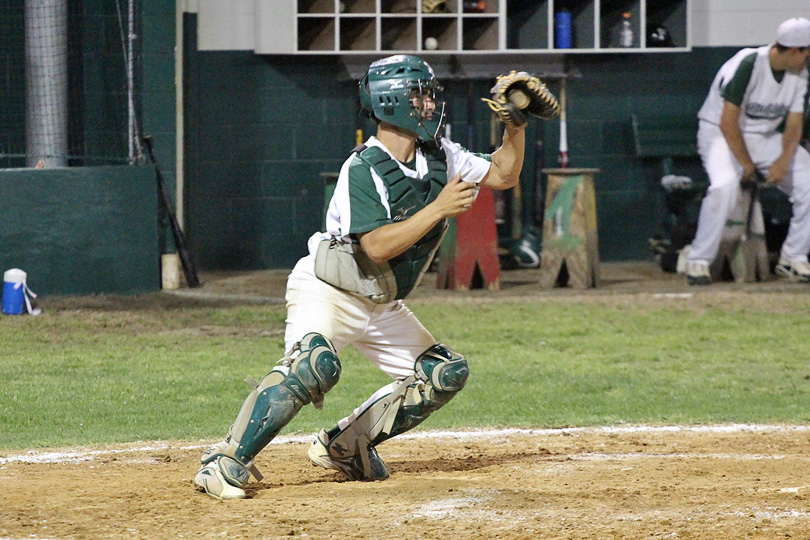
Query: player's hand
x=456, y=198
x=749, y=173
x=779, y=170
x=752, y=179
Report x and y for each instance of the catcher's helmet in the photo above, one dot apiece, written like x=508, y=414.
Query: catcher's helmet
x=392, y=92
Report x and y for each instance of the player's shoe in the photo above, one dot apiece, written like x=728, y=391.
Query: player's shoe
x=211, y=480
x=350, y=466
x=795, y=270
x=697, y=273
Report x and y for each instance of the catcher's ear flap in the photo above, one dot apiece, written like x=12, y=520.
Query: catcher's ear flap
x=365, y=95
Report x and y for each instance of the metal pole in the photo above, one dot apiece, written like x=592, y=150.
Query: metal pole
x=131, y=81
x=46, y=118
x=179, y=128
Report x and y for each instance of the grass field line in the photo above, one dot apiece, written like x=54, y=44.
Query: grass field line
x=79, y=455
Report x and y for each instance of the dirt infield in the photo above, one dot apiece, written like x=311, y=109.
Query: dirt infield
x=718, y=482
x=714, y=482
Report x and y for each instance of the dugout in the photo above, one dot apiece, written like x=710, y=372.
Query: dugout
x=243, y=145
x=667, y=148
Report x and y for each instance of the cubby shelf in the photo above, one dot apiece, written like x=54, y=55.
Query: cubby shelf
x=490, y=26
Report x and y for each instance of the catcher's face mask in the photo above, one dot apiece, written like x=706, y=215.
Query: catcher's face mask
x=401, y=90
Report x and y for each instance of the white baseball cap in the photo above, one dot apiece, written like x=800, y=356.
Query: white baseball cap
x=794, y=32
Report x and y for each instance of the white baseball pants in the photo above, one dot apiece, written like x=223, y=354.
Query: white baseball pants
x=387, y=334
x=724, y=173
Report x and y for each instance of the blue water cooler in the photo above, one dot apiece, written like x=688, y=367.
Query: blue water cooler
x=14, y=292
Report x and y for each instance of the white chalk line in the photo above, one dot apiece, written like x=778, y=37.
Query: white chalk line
x=79, y=456
x=472, y=505
x=596, y=456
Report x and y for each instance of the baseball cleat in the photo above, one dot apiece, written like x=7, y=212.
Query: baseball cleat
x=351, y=466
x=697, y=273
x=210, y=480
x=795, y=271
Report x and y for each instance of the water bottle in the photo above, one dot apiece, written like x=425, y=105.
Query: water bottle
x=562, y=30
x=626, y=36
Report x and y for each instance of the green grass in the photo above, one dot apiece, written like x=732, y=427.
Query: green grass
x=87, y=376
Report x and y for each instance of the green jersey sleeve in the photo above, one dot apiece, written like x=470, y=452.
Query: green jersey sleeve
x=367, y=211
x=734, y=90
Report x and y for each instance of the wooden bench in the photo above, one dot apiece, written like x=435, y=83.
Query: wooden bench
x=667, y=138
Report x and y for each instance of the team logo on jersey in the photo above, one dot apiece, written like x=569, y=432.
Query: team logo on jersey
x=765, y=111
x=402, y=214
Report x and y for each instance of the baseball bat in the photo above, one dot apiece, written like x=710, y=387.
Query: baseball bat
x=538, y=206
x=497, y=194
x=562, y=159
x=189, y=269
x=752, y=185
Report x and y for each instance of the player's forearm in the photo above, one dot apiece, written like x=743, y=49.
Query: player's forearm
x=730, y=127
x=507, y=160
x=395, y=238
x=736, y=142
x=737, y=145
x=792, y=135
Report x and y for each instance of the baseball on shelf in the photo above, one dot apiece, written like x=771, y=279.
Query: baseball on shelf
x=431, y=44
x=519, y=99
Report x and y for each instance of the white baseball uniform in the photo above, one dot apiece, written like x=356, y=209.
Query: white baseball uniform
x=765, y=97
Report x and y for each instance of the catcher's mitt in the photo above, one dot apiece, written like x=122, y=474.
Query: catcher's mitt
x=517, y=95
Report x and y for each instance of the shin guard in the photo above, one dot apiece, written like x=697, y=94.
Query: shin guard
x=310, y=370
x=440, y=373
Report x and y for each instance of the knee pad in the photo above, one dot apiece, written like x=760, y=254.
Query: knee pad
x=439, y=374
x=310, y=370
x=444, y=372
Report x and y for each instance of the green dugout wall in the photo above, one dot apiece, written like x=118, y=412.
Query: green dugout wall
x=261, y=130
x=91, y=228
x=87, y=230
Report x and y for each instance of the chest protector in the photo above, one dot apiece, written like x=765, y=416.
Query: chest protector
x=347, y=267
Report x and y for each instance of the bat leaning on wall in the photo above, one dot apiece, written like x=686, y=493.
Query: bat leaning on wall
x=189, y=270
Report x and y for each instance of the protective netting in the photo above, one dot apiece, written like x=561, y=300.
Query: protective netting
x=69, y=94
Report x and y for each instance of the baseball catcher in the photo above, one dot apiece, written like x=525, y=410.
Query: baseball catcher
x=384, y=224
x=518, y=95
